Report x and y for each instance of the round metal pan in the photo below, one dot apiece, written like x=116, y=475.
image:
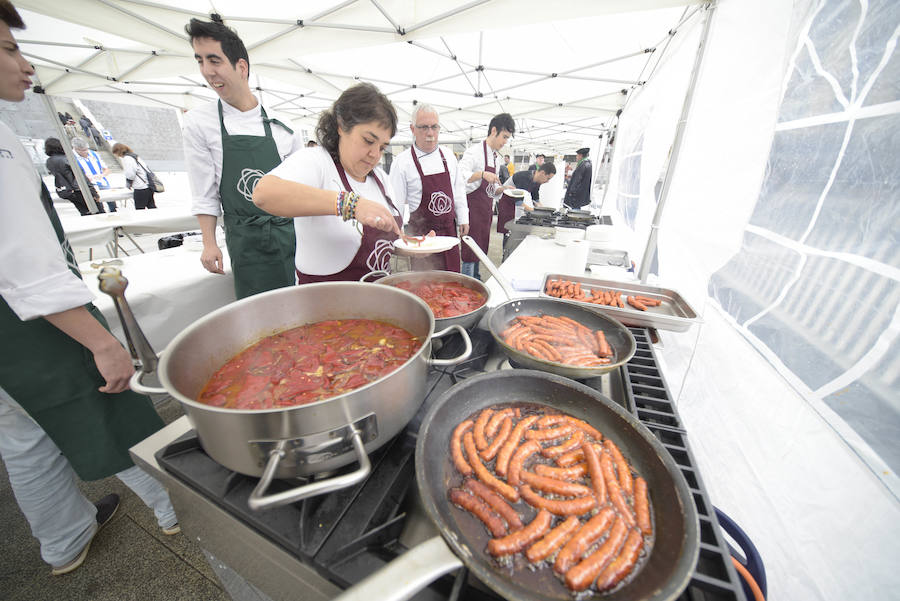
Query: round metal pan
x=674, y=554
x=466, y=320
x=618, y=336
x=664, y=574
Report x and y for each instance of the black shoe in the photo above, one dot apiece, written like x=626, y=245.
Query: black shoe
x=106, y=509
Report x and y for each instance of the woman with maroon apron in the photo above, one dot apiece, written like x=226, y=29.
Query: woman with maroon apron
x=343, y=215
x=481, y=213
x=435, y=212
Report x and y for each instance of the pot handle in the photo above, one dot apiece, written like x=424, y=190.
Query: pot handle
x=136, y=385
x=258, y=500
x=501, y=279
x=405, y=576
x=466, y=351
x=379, y=272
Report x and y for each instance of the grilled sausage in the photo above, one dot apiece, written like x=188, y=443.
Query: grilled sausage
x=491, y=452
x=614, y=491
x=583, y=425
x=495, y=502
x=595, y=471
x=575, y=472
x=515, y=542
x=622, y=565
x=481, y=442
x=576, y=506
x=456, y=447
x=553, y=486
x=526, y=450
x=508, y=492
x=642, y=506
x=496, y=420
x=573, y=443
x=550, y=433
x=589, y=532
x=476, y=507
x=622, y=467
x=583, y=574
x=554, y=539
x=511, y=443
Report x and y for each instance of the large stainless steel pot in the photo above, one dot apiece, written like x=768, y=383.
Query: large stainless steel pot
x=291, y=441
x=467, y=320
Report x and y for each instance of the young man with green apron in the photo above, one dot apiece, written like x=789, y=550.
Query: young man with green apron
x=65, y=407
x=229, y=145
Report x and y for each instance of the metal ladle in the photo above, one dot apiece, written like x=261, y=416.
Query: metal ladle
x=113, y=283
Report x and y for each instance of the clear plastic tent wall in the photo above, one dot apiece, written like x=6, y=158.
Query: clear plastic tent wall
x=780, y=228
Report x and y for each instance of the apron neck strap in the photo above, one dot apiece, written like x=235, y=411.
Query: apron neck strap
x=419, y=167
x=265, y=120
x=346, y=182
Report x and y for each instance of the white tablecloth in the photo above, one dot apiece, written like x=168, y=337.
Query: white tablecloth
x=167, y=290
x=100, y=229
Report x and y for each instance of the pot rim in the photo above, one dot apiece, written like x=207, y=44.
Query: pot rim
x=452, y=275
x=162, y=369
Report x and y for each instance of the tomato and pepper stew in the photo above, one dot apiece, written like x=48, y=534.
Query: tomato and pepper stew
x=309, y=363
x=446, y=299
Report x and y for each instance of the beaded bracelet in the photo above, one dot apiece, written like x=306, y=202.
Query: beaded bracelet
x=339, y=203
x=349, y=206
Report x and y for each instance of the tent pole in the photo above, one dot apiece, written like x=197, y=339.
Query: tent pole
x=64, y=139
x=676, y=145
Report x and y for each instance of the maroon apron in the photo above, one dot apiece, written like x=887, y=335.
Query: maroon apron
x=375, y=248
x=435, y=212
x=506, y=210
x=481, y=212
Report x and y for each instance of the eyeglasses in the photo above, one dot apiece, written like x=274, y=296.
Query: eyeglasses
x=427, y=127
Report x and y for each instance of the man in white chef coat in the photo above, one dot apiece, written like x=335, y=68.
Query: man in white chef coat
x=229, y=145
x=426, y=178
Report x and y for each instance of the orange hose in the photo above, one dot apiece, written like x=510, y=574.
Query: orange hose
x=757, y=593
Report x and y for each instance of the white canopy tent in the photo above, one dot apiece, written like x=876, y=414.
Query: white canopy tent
x=780, y=217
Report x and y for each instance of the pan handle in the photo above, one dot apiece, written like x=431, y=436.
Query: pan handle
x=138, y=386
x=466, y=351
x=258, y=500
x=501, y=279
x=408, y=574
x=378, y=272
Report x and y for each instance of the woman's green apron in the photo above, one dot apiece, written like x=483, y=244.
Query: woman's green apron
x=261, y=246
x=55, y=379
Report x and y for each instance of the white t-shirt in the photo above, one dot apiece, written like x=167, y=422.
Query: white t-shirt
x=134, y=172
x=34, y=278
x=407, y=184
x=472, y=161
x=326, y=243
x=202, y=137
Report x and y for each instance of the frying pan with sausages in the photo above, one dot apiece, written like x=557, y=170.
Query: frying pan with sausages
x=463, y=541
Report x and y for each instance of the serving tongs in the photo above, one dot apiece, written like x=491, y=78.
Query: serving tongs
x=113, y=283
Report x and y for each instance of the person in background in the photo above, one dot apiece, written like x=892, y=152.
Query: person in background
x=136, y=176
x=426, y=178
x=531, y=181
x=65, y=407
x=86, y=125
x=504, y=169
x=338, y=195
x=538, y=161
x=66, y=184
x=479, y=167
x=578, y=193
x=62, y=118
x=93, y=166
x=312, y=144
x=229, y=145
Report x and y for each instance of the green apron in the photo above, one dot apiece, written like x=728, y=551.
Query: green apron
x=55, y=379
x=261, y=246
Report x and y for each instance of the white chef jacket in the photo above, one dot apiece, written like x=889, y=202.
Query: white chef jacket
x=472, y=161
x=407, y=184
x=34, y=274
x=203, y=148
x=328, y=243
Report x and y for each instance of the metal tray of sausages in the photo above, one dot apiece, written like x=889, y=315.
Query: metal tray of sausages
x=674, y=313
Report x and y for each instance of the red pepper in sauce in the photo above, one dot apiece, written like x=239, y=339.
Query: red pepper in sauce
x=446, y=299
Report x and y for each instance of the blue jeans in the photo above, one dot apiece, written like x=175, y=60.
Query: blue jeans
x=471, y=269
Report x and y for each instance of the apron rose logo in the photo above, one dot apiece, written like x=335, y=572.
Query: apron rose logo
x=440, y=203
x=380, y=257
x=247, y=183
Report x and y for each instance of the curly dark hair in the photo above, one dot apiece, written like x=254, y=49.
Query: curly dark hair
x=360, y=104
x=53, y=146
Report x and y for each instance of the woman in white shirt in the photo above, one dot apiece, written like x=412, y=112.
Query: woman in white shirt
x=340, y=199
x=135, y=176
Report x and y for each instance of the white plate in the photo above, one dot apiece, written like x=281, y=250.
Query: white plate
x=515, y=193
x=431, y=245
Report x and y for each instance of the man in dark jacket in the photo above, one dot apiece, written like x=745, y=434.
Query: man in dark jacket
x=578, y=194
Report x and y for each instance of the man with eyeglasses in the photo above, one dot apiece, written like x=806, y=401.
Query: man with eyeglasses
x=425, y=177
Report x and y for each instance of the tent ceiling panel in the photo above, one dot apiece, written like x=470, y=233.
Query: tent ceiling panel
x=562, y=70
